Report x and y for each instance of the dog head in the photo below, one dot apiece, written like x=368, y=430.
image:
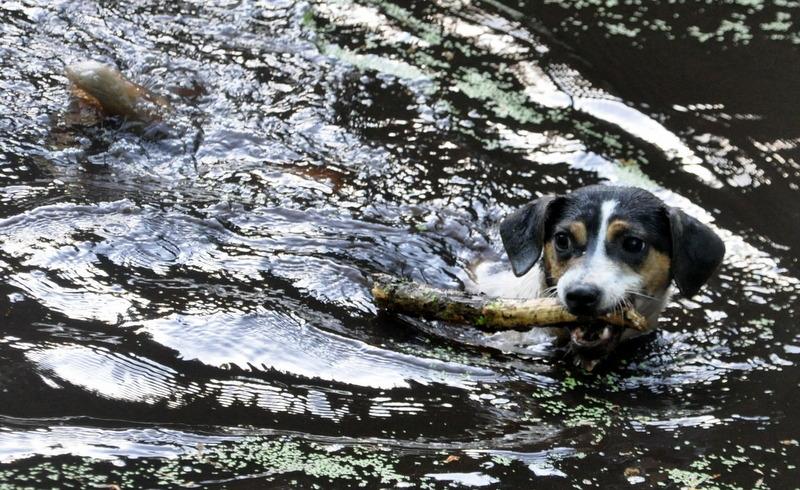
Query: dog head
x=605, y=247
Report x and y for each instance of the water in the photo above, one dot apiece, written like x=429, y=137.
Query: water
x=187, y=303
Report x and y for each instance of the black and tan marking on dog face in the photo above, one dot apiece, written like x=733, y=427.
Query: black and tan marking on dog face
x=604, y=246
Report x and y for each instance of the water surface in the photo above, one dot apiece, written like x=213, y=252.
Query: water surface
x=187, y=303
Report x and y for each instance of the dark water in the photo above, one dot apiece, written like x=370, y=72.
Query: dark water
x=188, y=304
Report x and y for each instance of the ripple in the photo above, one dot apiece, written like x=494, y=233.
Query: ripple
x=113, y=375
x=287, y=343
x=130, y=378
x=102, y=444
x=214, y=266
x=106, y=305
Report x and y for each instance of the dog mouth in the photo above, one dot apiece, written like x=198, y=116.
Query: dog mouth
x=592, y=342
x=592, y=336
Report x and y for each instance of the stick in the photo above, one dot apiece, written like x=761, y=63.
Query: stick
x=492, y=314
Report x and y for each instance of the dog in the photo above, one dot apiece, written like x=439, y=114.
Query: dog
x=599, y=249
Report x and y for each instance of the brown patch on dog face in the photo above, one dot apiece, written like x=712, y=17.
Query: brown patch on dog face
x=655, y=272
x=616, y=228
x=554, y=268
x=578, y=230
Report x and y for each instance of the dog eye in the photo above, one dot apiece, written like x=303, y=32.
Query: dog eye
x=561, y=241
x=633, y=245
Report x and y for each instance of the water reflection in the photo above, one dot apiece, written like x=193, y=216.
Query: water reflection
x=289, y=343
x=207, y=277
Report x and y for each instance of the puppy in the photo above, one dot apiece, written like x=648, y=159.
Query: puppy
x=598, y=249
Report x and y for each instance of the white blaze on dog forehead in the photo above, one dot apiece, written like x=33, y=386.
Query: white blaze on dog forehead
x=606, y=210
x=597, y=269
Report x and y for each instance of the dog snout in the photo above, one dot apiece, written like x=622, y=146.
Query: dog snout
x=583, y=299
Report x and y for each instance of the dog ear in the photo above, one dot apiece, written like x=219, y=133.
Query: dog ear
x=523, y=233
x=697, y=252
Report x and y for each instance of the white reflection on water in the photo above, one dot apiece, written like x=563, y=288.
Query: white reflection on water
x=287, y=343
x=103, y=444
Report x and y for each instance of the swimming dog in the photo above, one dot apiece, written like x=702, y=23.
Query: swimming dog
x=601, y=248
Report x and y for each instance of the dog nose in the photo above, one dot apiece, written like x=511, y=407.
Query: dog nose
x=583, y=299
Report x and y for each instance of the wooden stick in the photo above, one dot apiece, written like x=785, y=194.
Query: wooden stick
x=492, y=314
